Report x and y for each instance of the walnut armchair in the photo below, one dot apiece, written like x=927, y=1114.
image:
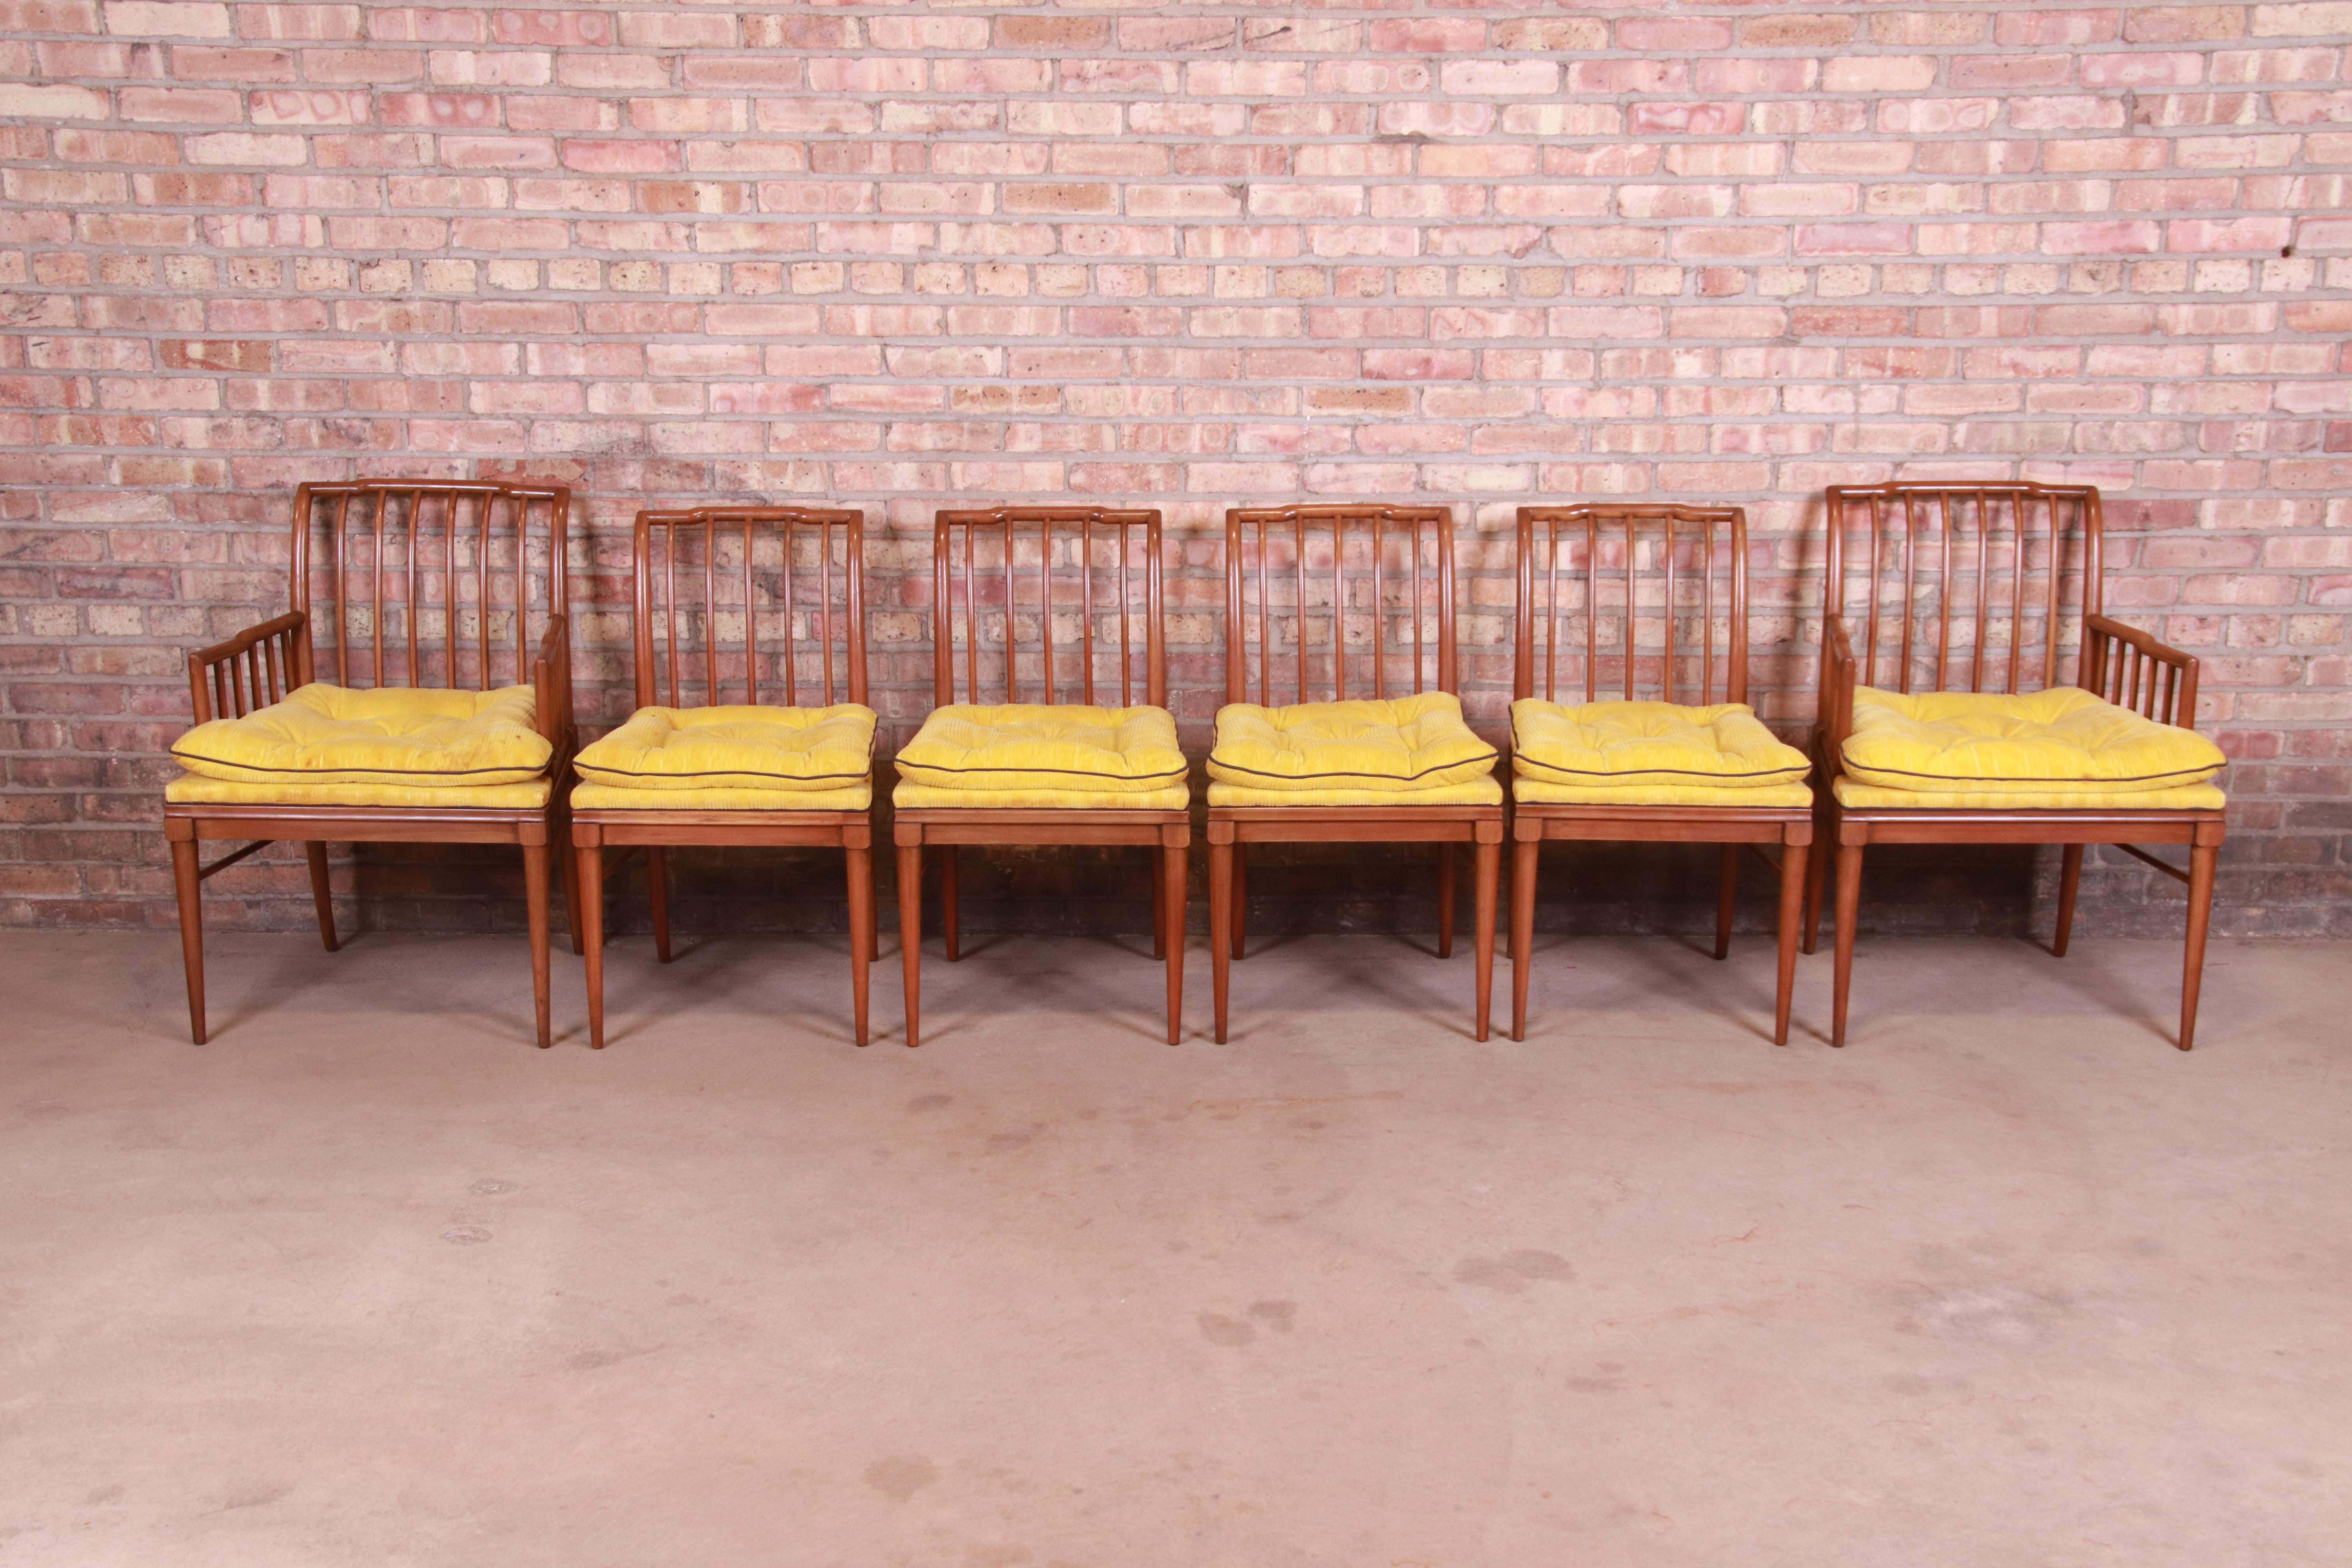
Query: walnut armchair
x=1959, y=588
x=427, y=591
x=775, y=596
x=1691, y=766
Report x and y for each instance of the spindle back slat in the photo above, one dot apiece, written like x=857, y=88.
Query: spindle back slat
x=351, y=542
x=1651, y=566
x=1946, y=544
x=1113, y=553
x=1418, y=537
x=780, y=568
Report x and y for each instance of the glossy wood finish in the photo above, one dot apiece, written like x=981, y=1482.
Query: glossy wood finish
x=1935, y=561
x=1388, y=571
x=802, y=572
x=1101, y=566
x=432, y=583
x=1617, y=568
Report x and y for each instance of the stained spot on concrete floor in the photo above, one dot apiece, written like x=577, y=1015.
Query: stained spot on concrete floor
x=1514, y=1272
x=466, y=1235
x=102, y=1494
x=255, y=1495
x=901, y=1475
x=1005, y=1142
x=2001, y=1313
x=929, y=1102
x=491, y=1186
x=1281, y=1315
x=1219, y=1329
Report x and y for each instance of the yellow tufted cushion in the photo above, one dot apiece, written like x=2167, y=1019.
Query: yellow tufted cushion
x=195, y=789
x=1031, y=746
x=1529, y=790
x=1614, y=745
x=2075, y=797
x=606, y=798
x=1991, y=743
x=1487, y=791
x=1391, y=746
x=735, y=748
x=912, y=796
x=390, y=735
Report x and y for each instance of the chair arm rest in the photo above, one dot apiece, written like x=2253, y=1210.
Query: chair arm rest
x=551, y=680
x=2132, y=669
x=1838, y=681
x=252, y=670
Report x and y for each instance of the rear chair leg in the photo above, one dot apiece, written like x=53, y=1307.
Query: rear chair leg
x=320, y=894
x=1726, y=894
x=1241, y=901
x=657, y=873
x=951, y=903
x=2070, y=879
x=1445, y=901
x=1158, y=906
x=189, y=884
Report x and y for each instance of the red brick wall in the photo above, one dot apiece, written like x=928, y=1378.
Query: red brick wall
x=892, y=255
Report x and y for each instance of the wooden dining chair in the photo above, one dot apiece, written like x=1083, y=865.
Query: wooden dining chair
x=1046, y=602
x=1636, y=598
x=1958, y=588
x=426, y=592
x=775, y=598
x=1308, y=587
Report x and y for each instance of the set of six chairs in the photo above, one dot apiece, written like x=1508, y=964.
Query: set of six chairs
x=1342, y=722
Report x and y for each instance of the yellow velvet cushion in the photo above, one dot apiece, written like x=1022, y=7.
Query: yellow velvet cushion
x=735, y=748
x=2072, y=797
x=194, y=789
x=1615, y=745
x=2033, y=743
x=1527, y=790
x=1487, y=791
x=1020, y=746
x=414, y=738
x=912, y=796
x=607, y=797
x=1386, y=747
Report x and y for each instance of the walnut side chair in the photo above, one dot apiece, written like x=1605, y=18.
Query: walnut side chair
x=1959, y=586
x=1691, y=766
x=770, y=593
x=1044, y=772
x=434, y=587
x=1401, y=768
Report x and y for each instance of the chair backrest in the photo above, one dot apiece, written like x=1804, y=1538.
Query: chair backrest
x=994, y=574
x=1292, y=571
x=433, y=581
x=767, y=593
x=1954, y=578
x=1633, y=592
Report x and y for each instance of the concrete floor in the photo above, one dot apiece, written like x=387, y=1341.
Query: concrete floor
x=370, y=1280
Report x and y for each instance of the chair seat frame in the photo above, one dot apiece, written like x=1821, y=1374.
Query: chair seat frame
x=1735, y=828
x=261, y=664
x=2116, y=662
x=1231, y=829
x=598, y=832
x=1166, y=833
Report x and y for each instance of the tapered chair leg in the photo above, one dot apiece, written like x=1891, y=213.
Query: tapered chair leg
x=1524, y=852
x=951, y=902
x=861, y=929
x=1817, y=875
x=1159, y=906
x=534, y=873
x=321, y=895
x=1849, y=905
x=1445, y=902
x=2070, y=881
x=1170, y=861
x=1726, y=895
x=1241, y=900
x=911, y=935
x=1488, y=869
x=658, y=884
x=568, y=867
x=1794, y=866
x=589, y=871
x=1224, y=941
x=2202, y=860
x=188, y=883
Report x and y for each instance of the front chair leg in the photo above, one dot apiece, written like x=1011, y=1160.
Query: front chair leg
x=1241, y=898
x=861, y=933
x=1524, y=853
x=1158, y=906
x=321, y=895
x=1171, y=861
x=589, y=867
x=1794, y=865
x=1816, y=873
x=1488, y=871
x=2070, y=879
x=1224, y=938
x=1726, y=894
x=188, y=883
x=911, y=935
x=568, y=867
x=534, y=876
x=1849, y=905
x=1445, y=902
x=2202, y=860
